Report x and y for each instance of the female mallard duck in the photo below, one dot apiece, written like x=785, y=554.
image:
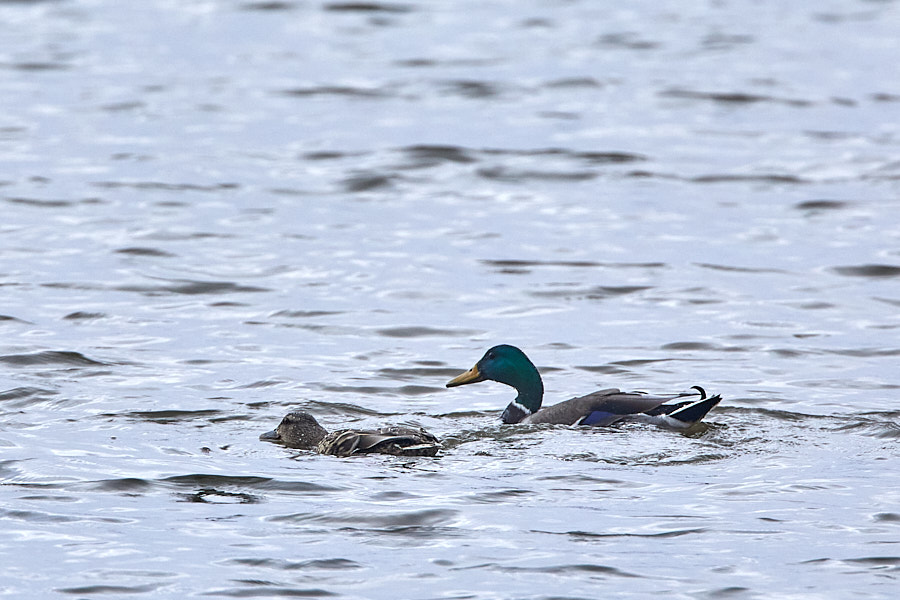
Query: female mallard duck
x=300, y=429
x=509, y=365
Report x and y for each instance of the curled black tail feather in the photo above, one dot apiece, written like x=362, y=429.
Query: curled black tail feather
x=688, y=411
x=693, y=412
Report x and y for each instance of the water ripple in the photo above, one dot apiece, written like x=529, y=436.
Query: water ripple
x=422, y=331
x=586, y=535
x=21, y=397
x=192, y=287
x=109, y=589
x=207, y=481
x=51, y=357
x=328, y=564
x=427, y=523
x=733, y=97
x=875, y=271
x=367, y=7
x=264, y=589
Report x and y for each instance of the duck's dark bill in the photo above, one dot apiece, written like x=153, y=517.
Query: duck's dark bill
x=271, y=436
x=470, y=376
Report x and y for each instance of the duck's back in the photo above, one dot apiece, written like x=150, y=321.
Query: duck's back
x=397, y=440
x=603, y=407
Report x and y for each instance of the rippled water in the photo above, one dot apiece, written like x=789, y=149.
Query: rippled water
x=217, y=212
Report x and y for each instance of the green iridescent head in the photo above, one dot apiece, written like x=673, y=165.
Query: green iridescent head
x=509, y=365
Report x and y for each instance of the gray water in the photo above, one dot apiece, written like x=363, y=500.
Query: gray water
x=216, y=212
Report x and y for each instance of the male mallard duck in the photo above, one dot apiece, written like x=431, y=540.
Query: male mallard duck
x=300, y=429
x=509, y=365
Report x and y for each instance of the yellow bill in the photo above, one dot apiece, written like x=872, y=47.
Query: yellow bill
x=470, y=376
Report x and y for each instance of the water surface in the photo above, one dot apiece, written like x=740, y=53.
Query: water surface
x=217, y=212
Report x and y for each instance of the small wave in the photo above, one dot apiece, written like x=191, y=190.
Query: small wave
x=472, y=88
x=626, y=41
x=773, y=413
x=578, y=264
x=887, y=518
x=690, y=346
x=167, y=187
x=39, y=65
x=262, y=383
x=25, y=396
x=365, y=390
x=588, y=156
x=605, y=158
x=506, y=174
x=573, y=82
x=305, y=314
x=434, y=522
x=224, y=485
x=144, y=251
x=9, y=318
x=735, y=269
x=820, y=205
x=84, y=316
x=876, y=271
x=499, y=496
x=186, y=236
x=889, y=429
x=191, y=287
x=125, y=484
x=40, y=203
x=733, y=97
x=416, y=373
x=33, y=516
x=367, y=7
x=324, y=155
x=773, y=178
x=876, y=561
x=594, y=570
x=168, y=416
x=367, y=182
x=593, y=293
x=51, y=357
x=109, y=589
x=344, y=409
x=889, y=301
x=885, y=97
x=334, y=90
x=322, y=564
x=421, y=331
x=266, y=6
x=883, y=564
x=422, y=156
x=661, y=534
x=257, y=589
x=123, y=106
x=203, y=479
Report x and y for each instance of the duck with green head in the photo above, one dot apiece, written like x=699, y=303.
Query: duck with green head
x=509, y=365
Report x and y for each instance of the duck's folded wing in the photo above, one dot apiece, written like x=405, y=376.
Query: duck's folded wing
x=341, y=443
x=603, y=407
x=416, y=434
x=388, y=440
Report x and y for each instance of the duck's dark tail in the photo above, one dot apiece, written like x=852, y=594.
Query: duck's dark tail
x=689, y=411
x=692, y=412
